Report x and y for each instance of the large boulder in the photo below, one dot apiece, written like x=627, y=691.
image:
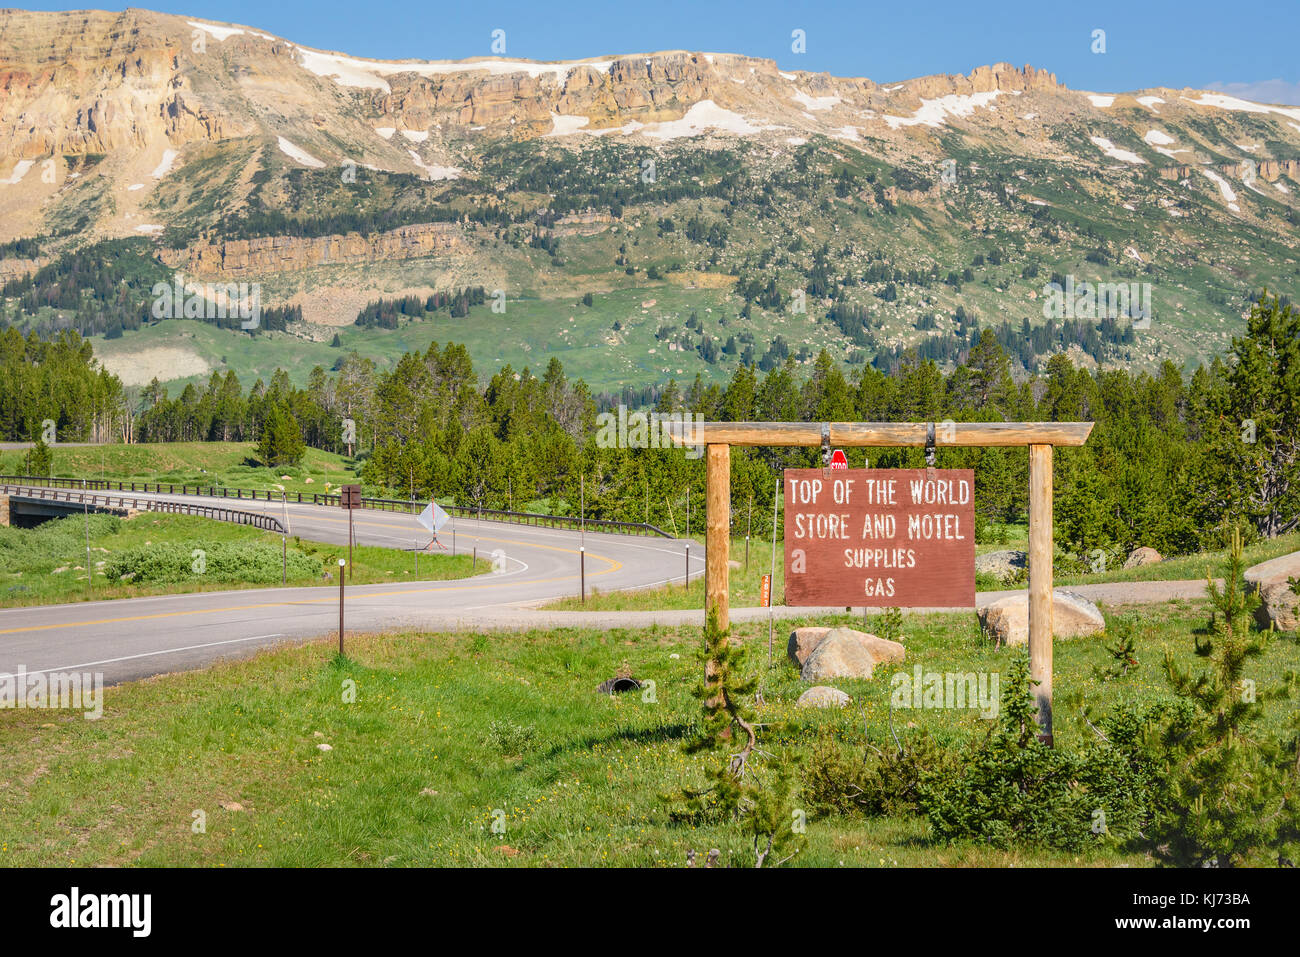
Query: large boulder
x=802, y=642
x=822, y=696
x=1142, y=556
x=1073, y=616
x=1002, y=565
x=1279, y=606
x=845, y=653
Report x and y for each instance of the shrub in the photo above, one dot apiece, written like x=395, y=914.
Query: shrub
x=57, y=541
x=509, y=738
x=837, y=781
x=166, y=562
x=1016, y=790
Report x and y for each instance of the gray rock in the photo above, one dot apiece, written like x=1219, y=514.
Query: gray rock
x=823, y=696
x=845, y=653
x=1003, y=565
x=1073, y=616
x=802, y=642
x=1142, y=556
x=1279, y=606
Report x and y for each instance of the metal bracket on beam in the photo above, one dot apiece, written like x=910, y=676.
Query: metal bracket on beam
x=929, y=445
x=826, y=450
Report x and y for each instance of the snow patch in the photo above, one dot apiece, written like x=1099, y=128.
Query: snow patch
x=299, y=155
x=1225, y=102
x=19, y=172
x=435, y=172
x=1101, y=100
x=934, y=112
x=1150, y=102
x=386, y=131
x=815, y=102
x=221, y=33
x=369, y=74
x=703, y=116
x=564, y=125
x=165, y=164
x=416, y=136
x=1224, y=188
x=134, y=186
x=1114, y=152
x=846, y=133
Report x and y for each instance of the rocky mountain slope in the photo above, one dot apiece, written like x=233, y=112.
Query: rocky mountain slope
x=831, y=212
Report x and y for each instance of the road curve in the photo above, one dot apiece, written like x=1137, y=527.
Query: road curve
x=138, y=637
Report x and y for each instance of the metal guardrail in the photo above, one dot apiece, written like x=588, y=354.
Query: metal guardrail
x=324, y=498
x=121, y=502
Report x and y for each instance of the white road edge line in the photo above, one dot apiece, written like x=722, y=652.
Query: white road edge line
x=147, y=654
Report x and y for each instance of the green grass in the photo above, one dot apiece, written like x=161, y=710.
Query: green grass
x=1191, y=567
x=446, y=729
x=47, y=564
x=233, y=464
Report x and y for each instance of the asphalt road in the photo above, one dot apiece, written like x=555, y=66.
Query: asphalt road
x=134, y=638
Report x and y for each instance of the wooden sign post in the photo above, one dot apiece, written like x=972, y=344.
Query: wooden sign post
x=1038, y=437
x=350, y=498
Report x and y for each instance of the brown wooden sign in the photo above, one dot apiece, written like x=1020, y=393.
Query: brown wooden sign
x=880, y=538
x=350, y=496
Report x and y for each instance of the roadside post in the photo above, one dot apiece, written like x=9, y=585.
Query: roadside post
x=349, y=498
x=342, y=562
x=433, y=518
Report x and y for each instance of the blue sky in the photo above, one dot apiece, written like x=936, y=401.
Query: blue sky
x=1148, y=42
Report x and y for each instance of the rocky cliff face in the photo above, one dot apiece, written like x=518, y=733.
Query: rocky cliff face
x=148, y=93
x=94, y=82
x=251, y=257
x=1266, y=169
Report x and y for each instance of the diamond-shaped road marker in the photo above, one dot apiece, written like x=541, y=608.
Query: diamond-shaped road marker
x=433, y=517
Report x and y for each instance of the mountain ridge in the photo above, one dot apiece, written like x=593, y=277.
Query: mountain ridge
x=232, y=153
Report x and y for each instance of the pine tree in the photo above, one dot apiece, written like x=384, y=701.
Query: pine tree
x=281, y=442
x=1229, y=790
x=758, y=799
x=39, y=460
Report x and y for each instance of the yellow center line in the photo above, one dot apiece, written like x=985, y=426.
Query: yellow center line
x=614, y=566
x=304, y=601
x=480, y=538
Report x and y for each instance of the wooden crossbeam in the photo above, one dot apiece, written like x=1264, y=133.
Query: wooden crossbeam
x=879, y=434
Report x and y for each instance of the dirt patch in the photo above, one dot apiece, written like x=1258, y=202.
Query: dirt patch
x=701, y=280
x=162, y=362
x=339, y=305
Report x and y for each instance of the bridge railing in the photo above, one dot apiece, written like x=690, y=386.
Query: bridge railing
x=326, y=498
x=267, y=523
